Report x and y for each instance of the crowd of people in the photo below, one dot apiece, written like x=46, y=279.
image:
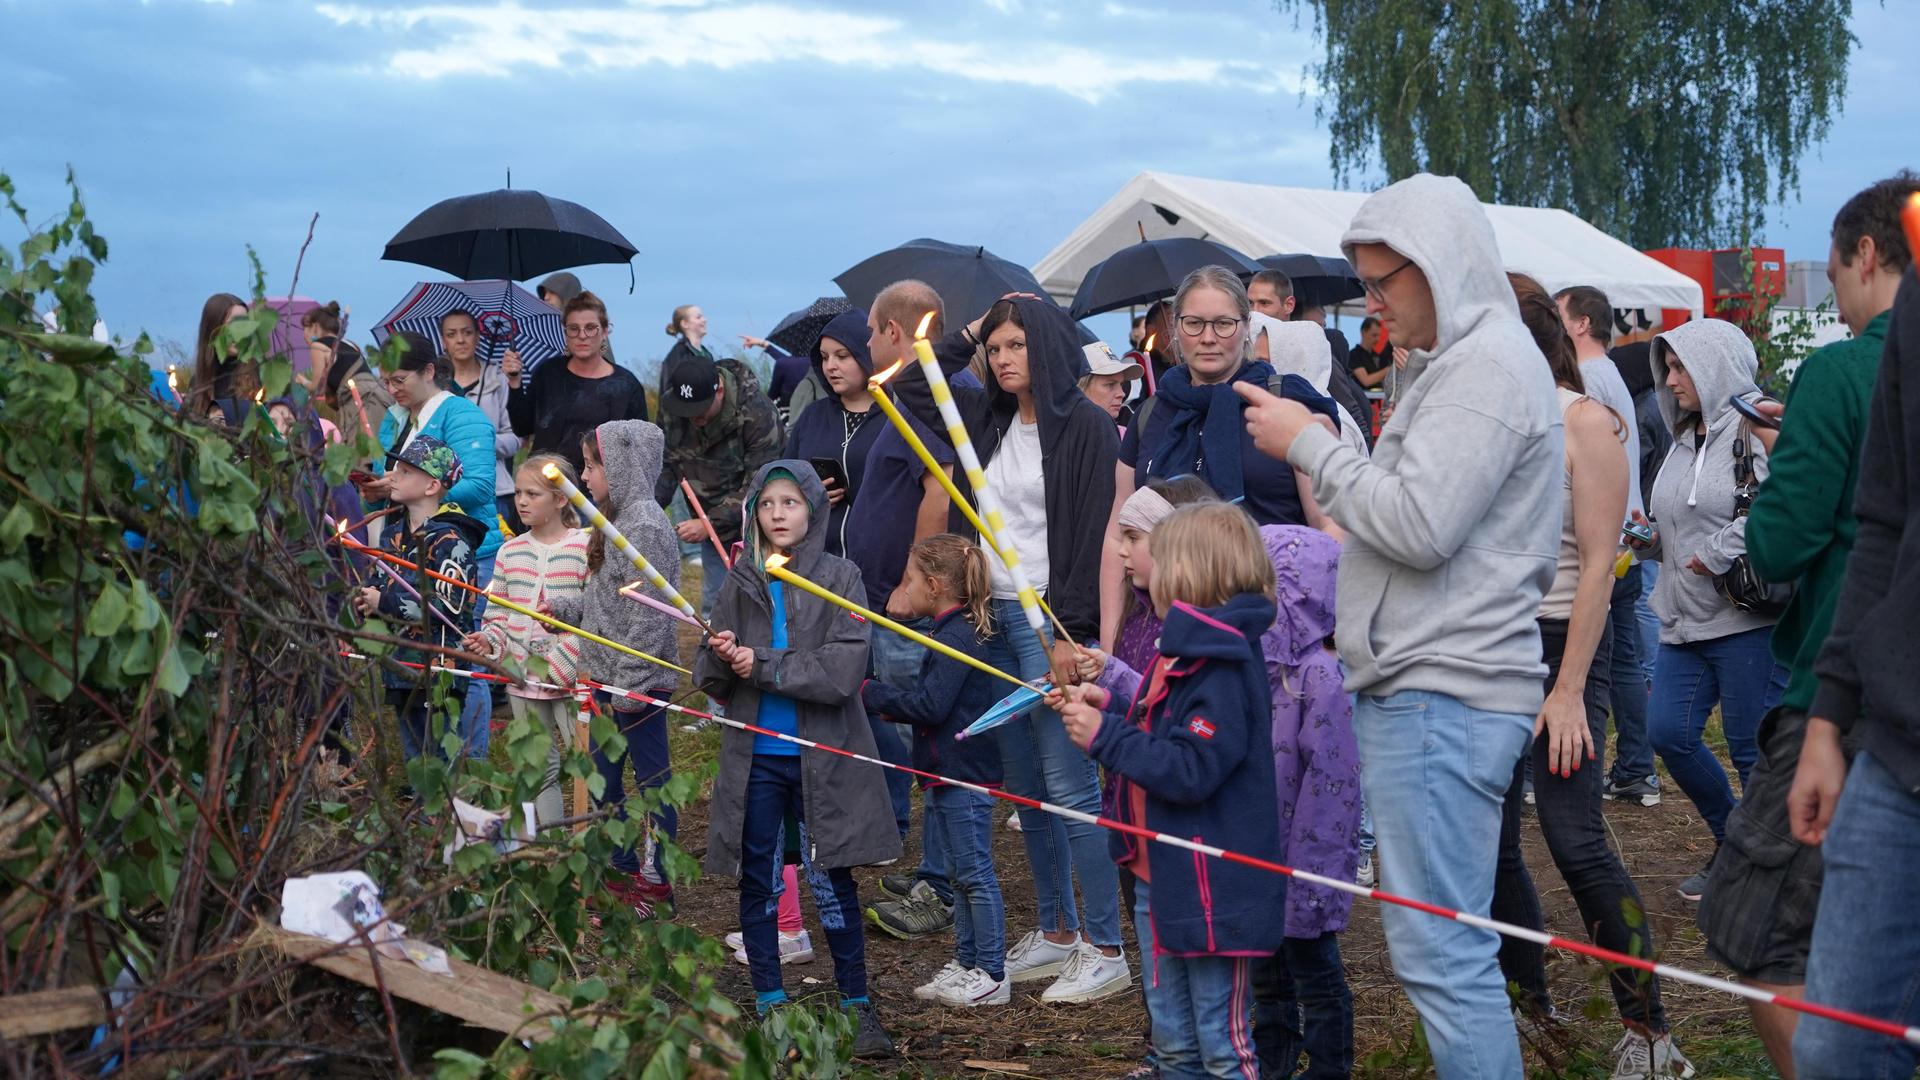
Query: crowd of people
x=1282, y=620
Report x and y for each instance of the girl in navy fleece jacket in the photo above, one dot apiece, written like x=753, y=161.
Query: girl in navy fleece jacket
x=1191, y=756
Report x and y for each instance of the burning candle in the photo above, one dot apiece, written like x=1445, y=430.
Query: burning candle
x=1910, y=220
x=360, y=406
x=982, y=491
x=1146, y=369
x=592, y=515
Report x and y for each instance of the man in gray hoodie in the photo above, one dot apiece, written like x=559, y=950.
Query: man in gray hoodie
x=1452, y=526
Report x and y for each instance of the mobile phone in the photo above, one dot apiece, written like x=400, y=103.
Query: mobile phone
x=830, y=470
x=1754, y=415
x=1634, y=530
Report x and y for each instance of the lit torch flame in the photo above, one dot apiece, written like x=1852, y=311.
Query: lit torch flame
x=551, y=472
x=173, y=380
x=920, y=333
x=259, y=394
x=775, y=562
x=879, y=377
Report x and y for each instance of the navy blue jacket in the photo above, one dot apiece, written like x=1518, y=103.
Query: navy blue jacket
x=948, y=696
x=1205, y=762
x=820, y=431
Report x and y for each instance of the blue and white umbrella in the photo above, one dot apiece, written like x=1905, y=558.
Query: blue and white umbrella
x=509, y=317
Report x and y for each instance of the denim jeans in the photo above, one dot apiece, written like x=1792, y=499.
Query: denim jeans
x=420, y=724
x=964, y=822
x=896, y=662
x=1301, y=1003
x=1649, y=622
x=1202, y=1007
x=646, y=747
x=1570, y=819
x=773, y=792
x=1435, y=771
x=1632, y=753
x=1866, y=939
x=713, y=571
x=1737, y=673
x=476, y=700
x=1040, y=762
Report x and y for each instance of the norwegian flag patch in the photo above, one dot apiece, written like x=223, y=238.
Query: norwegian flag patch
x=1201, y=726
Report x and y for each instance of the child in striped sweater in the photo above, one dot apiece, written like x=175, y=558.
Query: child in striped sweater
x=545, y=562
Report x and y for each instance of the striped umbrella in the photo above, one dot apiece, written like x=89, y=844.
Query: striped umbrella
x=509, y=316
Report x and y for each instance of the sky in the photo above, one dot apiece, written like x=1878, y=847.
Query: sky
x=750, y=150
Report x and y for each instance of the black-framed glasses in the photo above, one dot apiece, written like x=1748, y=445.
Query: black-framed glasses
x=1374, y=285
x=582, y=331
x=1194, y=325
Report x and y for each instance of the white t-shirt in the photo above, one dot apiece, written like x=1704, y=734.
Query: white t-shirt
x=1014, y=474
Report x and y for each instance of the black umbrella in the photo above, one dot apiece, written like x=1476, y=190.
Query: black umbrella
x=1151, y=270
x=508, y=234
x=1318, y=281
x=969, y=279
x=799, y=332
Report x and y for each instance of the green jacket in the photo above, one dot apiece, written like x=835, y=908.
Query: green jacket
x=719, y=460
x=1801, y=526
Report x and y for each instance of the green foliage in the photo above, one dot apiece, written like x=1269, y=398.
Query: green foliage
x=1663, y=122
x=171, y=654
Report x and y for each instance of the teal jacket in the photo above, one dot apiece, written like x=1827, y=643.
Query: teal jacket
x=1801, y=526
x=461, y=425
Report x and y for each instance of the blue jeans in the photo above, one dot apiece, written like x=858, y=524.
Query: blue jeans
x=1301, y=1003
x=1737, y=673
x=964, y=822
x=773, y=792
x=1649, y=622
x=1435, y=772
x=1866, y=938
x=896, y=662
x=713, y=572
x=1632, y=753
x=1202, y=1007
x=476, y=699
x=646, y=737
x=420, y=724
x=1040, y=762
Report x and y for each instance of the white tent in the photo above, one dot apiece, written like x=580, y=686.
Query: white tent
x=1554, y=246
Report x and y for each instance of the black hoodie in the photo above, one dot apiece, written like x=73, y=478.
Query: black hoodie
x=1870, y=667
x=1079, y=447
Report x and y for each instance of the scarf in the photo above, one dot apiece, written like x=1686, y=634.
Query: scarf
x=1204, y=432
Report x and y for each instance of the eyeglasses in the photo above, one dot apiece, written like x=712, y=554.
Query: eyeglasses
x=583, y=331
x=1194, y=325
x=1373, y=286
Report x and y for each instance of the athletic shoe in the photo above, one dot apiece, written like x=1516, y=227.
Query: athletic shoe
x=930, y=990
x=1645, y=791
x=657, y=894
x=1526, y=790
x=870, y=1038
x=1696, y=886
x=972, y=988
x=920, y=915
x=621, y=887
x=1034, y=957
x=795, y=948
x=1089, y=976
x=1364, y=876
x=898, y=886
x=1638, y=1058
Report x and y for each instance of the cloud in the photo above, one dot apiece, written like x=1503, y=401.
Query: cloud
x=503, y=39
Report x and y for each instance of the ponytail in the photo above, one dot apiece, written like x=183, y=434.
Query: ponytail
x=961, y=567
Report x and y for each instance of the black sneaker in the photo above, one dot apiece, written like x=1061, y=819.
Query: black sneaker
x=898, y=886
x=1696, y=886
x=920, y=915
x=870, y=1038
x=1645, y=791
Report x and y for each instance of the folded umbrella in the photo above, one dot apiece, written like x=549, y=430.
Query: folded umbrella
x=1012, y=707
x=968, y=278
x=800, y=330
x=1318, y=280
x=509, y=234
x=1151, y=270
x=509, y=317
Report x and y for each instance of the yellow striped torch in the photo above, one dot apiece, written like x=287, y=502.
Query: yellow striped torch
x=591, y=515
x=982, y=491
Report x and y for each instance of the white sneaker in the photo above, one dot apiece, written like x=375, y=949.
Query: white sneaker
x=931, y=989
x=1089, y=976
x=1364, y=876
x=974, y=987
x=796, y=948
x=1638, y=1058
x=1034, y=957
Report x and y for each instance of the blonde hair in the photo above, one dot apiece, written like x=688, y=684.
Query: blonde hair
x=538, y=463
x=673, y=324
x=1206, y=554
x=962, y=567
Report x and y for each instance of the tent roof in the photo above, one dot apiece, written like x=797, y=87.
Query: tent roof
x=1552, y=245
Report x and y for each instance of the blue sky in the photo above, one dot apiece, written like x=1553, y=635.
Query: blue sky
x=750, y=150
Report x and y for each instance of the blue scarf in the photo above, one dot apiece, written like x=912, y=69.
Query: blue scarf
x=1205, y=426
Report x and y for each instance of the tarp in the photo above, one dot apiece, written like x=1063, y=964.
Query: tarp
x=1552, y=245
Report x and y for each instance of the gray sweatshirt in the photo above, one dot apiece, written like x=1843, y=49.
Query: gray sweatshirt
x=1692, y=495
x=1454, y=524
x=631, y=451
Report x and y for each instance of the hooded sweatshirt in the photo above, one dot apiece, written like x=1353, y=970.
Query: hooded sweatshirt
x=1300, y=348
x=447, y=544
x=819, y=670
x=631, y=451
x=1454, y=524
x=827, y=430
x=1692, y=497
x=1078, y=448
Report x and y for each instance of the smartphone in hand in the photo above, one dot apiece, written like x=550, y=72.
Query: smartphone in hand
x=1750, y=410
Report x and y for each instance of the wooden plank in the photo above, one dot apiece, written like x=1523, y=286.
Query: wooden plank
x=480, y=997
x=996, y=1066
x=43, y=1012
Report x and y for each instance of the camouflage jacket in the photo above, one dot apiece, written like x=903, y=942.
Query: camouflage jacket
x=719, y=460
